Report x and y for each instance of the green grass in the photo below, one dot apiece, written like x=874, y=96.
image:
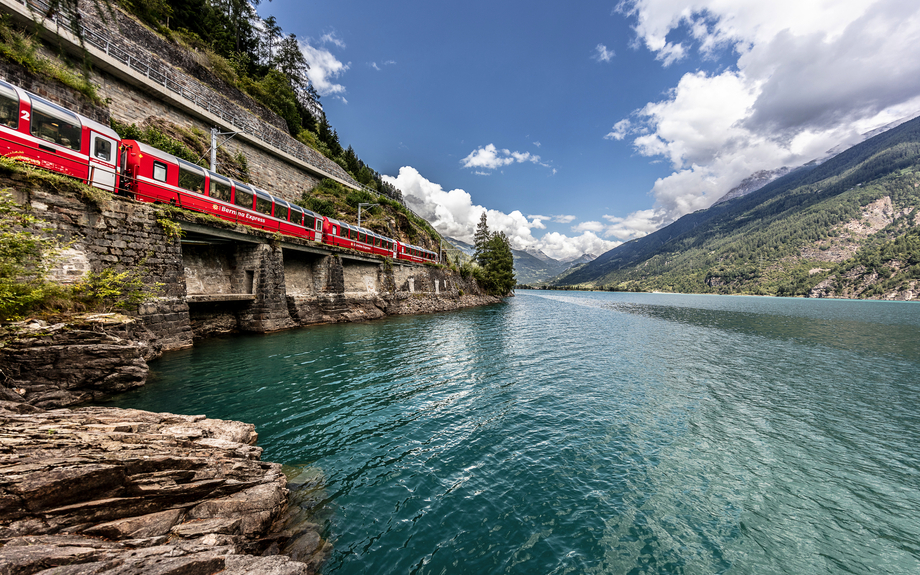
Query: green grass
x=22, y=48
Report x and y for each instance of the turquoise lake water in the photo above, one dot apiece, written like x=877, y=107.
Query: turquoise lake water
x=566, y=432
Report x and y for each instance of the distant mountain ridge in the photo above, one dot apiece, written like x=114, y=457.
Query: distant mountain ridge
x=531, y=266
x=759, y=179
x=752, y=183
x=814, y=226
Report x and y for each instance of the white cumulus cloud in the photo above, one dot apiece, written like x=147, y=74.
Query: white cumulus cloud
x=559, y=219
x=602, y=54
x=596, y=227
x=325, y=68
x=808, y=76
x=620, y=130
x=491, y=158
x=332, y=38
x=452, y=213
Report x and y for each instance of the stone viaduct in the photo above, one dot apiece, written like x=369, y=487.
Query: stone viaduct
x=216, y=277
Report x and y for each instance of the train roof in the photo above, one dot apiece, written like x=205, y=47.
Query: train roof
x=148, y=149
x=81, y=120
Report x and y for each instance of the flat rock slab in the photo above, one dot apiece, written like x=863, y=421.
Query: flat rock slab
x=107, y=490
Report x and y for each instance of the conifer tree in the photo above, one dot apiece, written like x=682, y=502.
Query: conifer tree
x=498, y=270
x=493, y=254
x=481, y=238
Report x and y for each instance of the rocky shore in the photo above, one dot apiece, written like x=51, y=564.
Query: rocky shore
x=105, y=490
x=93, y=490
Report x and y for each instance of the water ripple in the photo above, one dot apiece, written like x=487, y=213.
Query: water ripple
x=591, y=433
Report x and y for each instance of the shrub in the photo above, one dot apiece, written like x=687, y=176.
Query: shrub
x=25, y=258
x=108, y=290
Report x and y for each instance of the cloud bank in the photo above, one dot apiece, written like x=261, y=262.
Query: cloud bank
x=452, y=213
x=807, y=77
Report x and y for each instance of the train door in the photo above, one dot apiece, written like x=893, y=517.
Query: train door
x=102, y=161
x=11, y=112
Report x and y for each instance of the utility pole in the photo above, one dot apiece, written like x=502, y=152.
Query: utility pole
x=214, y=144
x=359, y=211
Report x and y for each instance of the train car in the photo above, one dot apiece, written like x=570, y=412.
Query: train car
x=38, y=132
x=415, y=254
x=152, y=175
x=338, y=233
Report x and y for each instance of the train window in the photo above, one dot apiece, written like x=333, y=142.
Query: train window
x=191, y=177
x=159, y=171
x=297, y=217
x=102, y=148
x=55, y=124
x=9, y=107
x=310, y=222
x=220, y=188
x=281, y=211
x=243, y=196
x=263, y=205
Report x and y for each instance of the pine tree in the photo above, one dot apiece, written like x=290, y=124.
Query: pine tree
x=493, y=254
x=498, y=270
x=272, y=33
x=481, y=238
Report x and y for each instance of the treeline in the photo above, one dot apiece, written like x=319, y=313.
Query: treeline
x=781, y=248
x=764, y=253
x=256, y=56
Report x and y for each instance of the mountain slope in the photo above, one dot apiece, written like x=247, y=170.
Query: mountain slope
x=530, y=269
x=784, y=238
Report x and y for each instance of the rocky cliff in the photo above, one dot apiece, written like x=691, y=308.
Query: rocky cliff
x=105, y=490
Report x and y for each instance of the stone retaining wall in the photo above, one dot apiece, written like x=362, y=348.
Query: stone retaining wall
x=231, y=285
x=119, y=235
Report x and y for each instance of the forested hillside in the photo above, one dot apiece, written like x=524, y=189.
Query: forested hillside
x=256, y=56
x=846, y=228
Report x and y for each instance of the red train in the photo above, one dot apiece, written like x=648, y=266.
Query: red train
x=41, y=133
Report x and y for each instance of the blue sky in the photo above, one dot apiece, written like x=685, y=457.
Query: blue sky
x=582, y=125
